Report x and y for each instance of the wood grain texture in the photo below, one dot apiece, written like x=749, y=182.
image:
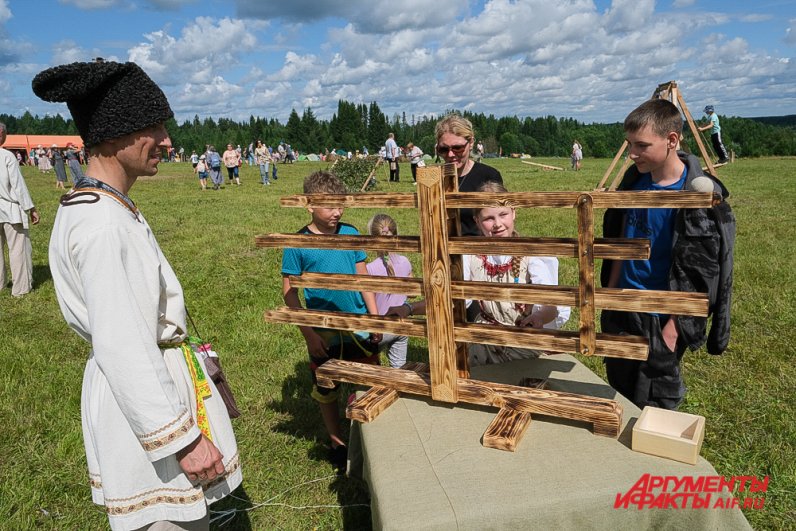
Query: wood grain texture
x=506, y=429
x=371, y=403
x=613, y=248
x=366, y=200
x=411, y=287
x=607, y=345
x=346, y=321
x=450, y=183
x=586, y=316
x=436, y=283
x=652, y=301
x=398, y=244
x=607, y=199
x=598, y=411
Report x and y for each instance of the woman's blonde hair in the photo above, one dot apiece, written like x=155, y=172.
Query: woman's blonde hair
x=457, y=125
x=376, y=225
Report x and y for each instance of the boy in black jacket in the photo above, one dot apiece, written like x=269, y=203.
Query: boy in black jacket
x=690, y=250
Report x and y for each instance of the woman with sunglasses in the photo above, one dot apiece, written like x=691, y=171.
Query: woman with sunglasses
x=455, y=139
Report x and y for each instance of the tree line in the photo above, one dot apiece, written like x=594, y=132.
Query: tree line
x=358, y=126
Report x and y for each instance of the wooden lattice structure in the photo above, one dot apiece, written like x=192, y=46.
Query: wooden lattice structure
x=446, y=378
x=667, y=91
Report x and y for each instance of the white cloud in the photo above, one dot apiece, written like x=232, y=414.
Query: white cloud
x=790, y=32
x=206, y=45
x=5, y=12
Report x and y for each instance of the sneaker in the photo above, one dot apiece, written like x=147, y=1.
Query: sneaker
x=723, y=161
x=338, y=457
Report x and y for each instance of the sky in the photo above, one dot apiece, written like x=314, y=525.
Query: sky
x=591, y=60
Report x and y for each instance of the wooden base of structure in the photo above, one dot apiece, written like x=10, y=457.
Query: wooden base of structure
x=516, y=404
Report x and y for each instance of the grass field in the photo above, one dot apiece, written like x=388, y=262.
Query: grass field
x=748, y=394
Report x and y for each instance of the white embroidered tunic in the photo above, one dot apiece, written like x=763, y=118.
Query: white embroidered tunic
x=138, y=407
x=532, y=270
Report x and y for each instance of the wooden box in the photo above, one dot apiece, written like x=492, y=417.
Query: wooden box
x=669, y=434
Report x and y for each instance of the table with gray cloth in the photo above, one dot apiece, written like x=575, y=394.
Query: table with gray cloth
x=426, y=468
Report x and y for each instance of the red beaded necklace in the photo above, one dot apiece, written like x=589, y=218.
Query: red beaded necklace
x=494, y=270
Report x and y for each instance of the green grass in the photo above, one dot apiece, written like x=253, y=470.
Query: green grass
x=747, y=394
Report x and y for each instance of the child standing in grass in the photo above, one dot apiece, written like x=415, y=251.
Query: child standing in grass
x=392, y=265
x=323, y=344
x=690, y=250
x=201, y=170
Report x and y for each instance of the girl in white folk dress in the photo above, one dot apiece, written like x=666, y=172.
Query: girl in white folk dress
x=498, y=222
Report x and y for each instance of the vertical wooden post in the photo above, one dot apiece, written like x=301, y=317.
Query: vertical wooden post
x=588, y=333
x=436, y=284
x=451, y=184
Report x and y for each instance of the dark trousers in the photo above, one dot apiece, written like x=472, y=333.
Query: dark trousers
x=414, y=172
x=655, y=382
x=718, y=147
x=395, y=170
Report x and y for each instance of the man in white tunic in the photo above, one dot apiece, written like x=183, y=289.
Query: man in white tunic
x=16, y=207
x=159, y=441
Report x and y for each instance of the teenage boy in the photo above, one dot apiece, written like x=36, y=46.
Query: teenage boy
x=323, y=344
x=690, y=250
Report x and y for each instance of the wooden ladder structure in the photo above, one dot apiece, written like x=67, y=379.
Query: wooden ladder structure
x=667, y=91
x=446, y=377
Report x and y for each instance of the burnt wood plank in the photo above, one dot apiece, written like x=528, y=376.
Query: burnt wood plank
x=365, y=200
x=608, y=199
x=346, y=321
x=506, y=429
x=601, y=411
x=371, y=403
x=436, y=284
x=627, y=249
x=586, y=314
x=607, y=345
x=402, y=244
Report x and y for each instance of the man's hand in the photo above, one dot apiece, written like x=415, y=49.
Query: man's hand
x=201, y=460
x=34, y=216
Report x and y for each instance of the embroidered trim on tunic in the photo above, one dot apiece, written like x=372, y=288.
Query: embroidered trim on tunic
x=171, y=496
x=164, y=428
x=172, y=499
x=166, y=439
x=94, y=480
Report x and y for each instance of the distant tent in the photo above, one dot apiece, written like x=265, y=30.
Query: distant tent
x=27, y=142
x=342, y=152
x=313, y=157
x=427, y=157
x=302, y=157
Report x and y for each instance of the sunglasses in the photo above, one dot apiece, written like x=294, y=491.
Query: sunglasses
x=457, y=150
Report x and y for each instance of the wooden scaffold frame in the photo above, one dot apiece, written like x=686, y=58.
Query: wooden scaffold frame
x=446, y=377
x=667, y=91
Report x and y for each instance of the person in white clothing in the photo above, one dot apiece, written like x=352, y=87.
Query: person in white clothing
x=16, y=208
x=498, y=222
x=158, y=438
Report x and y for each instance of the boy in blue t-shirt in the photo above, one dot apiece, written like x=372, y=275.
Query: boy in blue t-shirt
x=653, y=133
x=322, y=343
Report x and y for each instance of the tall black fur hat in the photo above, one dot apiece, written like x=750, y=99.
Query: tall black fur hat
x=107, y=99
